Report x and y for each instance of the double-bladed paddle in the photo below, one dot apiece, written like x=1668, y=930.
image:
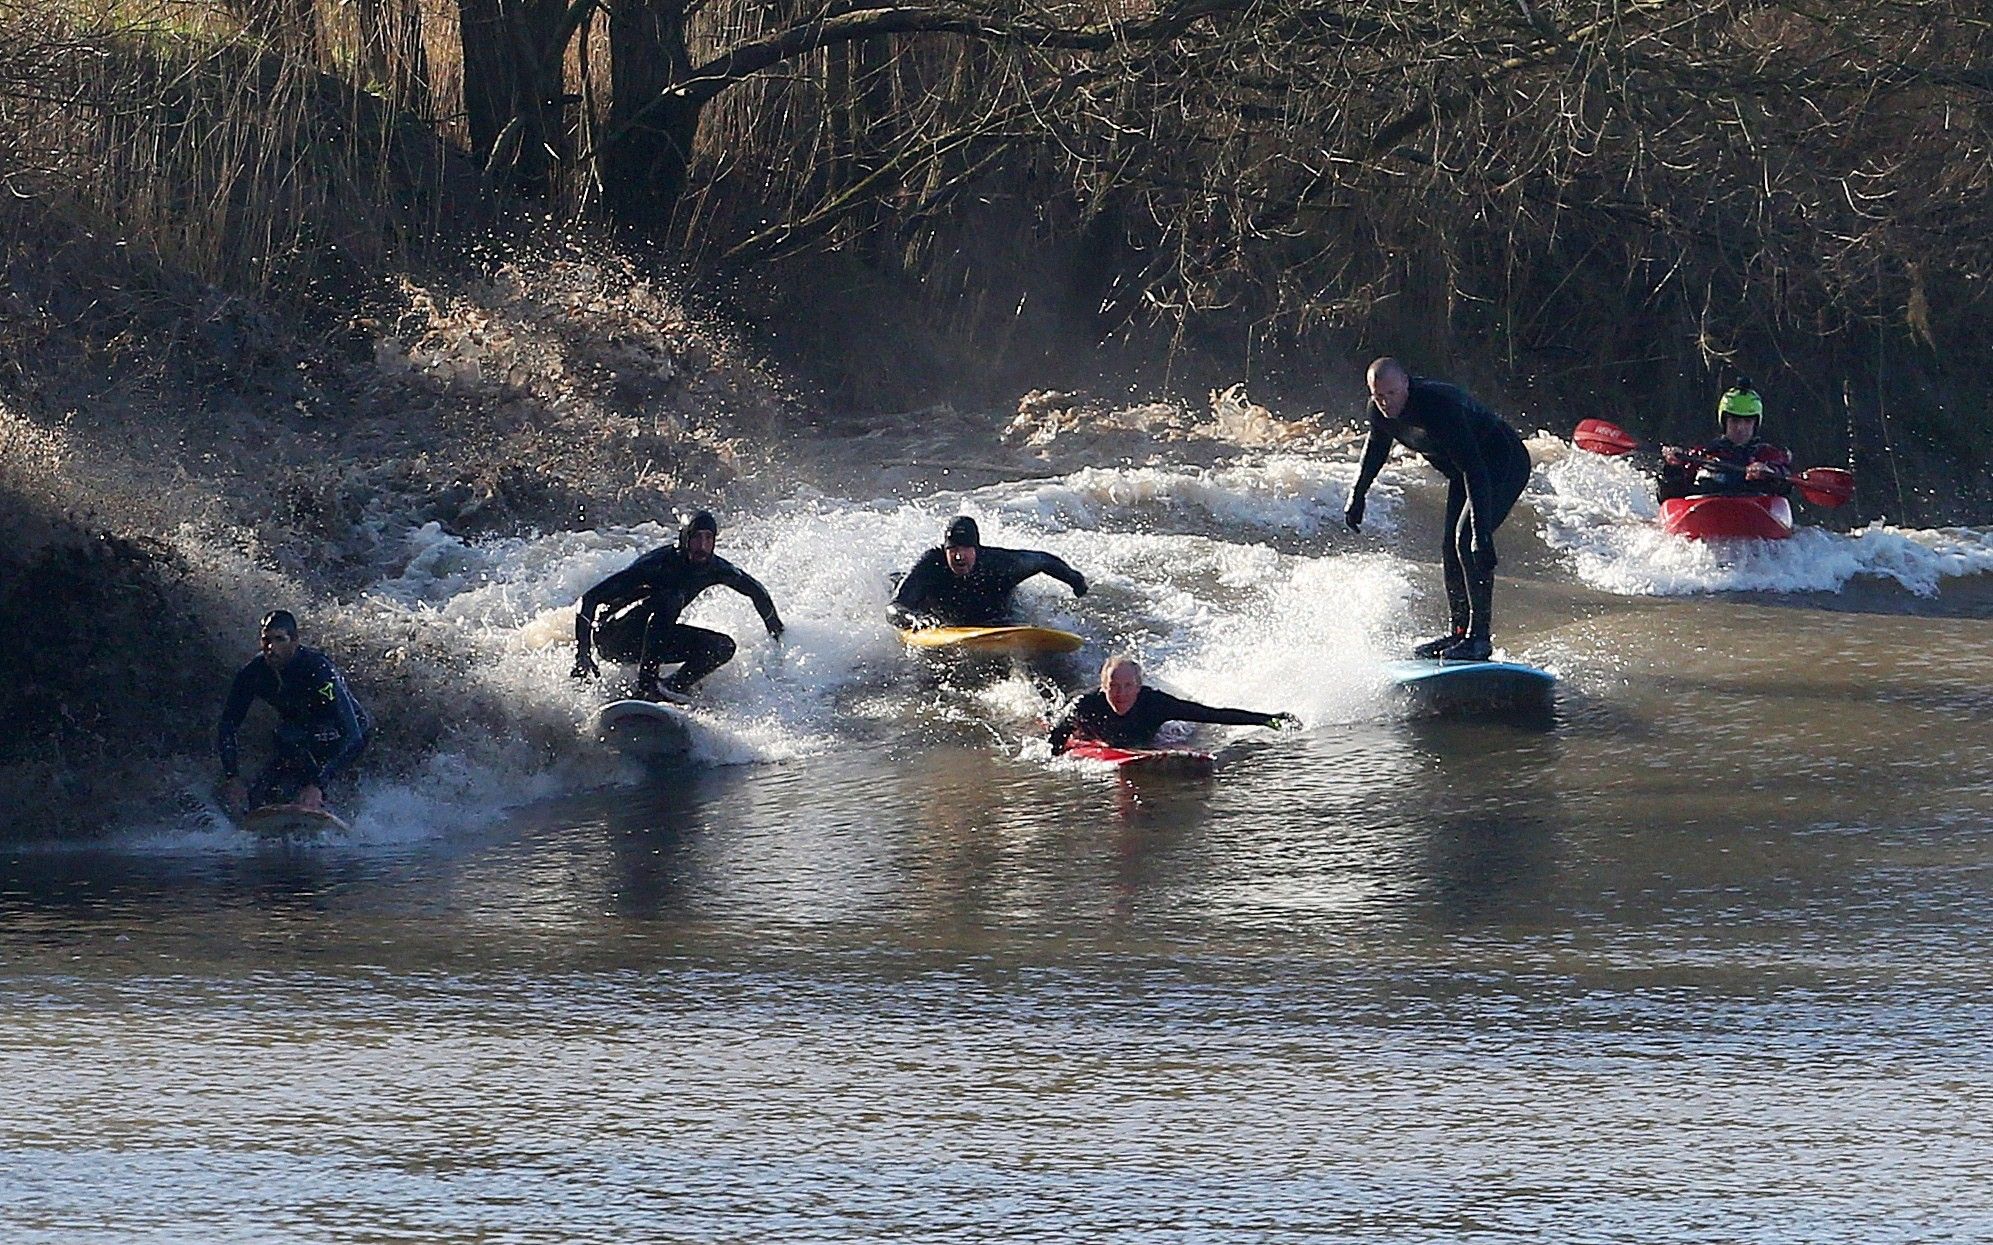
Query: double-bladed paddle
x=1823, y=486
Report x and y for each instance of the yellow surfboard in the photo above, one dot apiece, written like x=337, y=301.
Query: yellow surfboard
x=994, y=641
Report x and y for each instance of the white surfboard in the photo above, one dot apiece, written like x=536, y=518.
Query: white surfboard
x=644, y=728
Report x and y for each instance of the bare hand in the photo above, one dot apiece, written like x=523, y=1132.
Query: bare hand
x=1674, y=455
x=1757, y=471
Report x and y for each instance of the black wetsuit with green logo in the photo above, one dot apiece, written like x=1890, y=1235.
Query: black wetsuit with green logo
x=321, y=727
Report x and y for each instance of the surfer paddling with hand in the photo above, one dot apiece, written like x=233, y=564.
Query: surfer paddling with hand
x=964, y=583
x=1485, y=465
x=1126, y=714
x=321, y=729
x=638, y=609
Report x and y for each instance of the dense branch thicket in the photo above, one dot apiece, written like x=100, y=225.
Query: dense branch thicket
x=1612, y=200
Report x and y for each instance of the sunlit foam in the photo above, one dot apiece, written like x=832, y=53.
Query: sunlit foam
x=1183, y=568
x=1602, y=512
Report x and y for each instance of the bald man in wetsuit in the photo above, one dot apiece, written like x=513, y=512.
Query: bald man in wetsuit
x=1125, y=714
x=1486, y=467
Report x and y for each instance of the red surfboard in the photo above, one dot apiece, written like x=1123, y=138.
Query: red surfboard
x=1144, y=760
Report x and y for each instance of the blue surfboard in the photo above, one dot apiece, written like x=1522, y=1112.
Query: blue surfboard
x=1464, y=687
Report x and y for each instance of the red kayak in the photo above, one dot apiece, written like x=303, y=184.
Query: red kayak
x=1143, y=760
x=1727, y=518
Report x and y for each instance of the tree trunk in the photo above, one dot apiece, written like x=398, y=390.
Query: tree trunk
x=647, y=150
x=514, y=57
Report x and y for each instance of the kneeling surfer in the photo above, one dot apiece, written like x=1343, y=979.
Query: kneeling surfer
x=320, y=729
x=639, y=606
x=965, y=583
x=1126, y=714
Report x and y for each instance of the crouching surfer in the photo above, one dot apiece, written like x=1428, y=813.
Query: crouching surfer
x=321, y=729
x=964, y=583
x=638, y=609
x=1125, y=714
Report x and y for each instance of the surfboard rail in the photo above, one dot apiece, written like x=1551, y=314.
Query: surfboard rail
x=1005, y=641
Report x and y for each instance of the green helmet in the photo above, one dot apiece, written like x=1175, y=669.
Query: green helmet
x=1742, y=402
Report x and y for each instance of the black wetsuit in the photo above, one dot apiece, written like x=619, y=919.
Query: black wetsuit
x=1701, y=480
x=321, y=728
x=642, y=603
x=932, y=595
x=1486, y=468
x=1091, y=717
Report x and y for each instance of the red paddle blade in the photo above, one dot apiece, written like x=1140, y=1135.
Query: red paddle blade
x=1826, y=486
x=1599, y=437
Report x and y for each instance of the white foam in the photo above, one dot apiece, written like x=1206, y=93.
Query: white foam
x=1602, y=512
x=1183, y=563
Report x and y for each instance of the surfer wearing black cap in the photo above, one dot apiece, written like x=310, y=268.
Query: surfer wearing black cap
x=1126, y=714
x=1486, y=467
x=638, y=609
x=321, y=729
x=965, y=583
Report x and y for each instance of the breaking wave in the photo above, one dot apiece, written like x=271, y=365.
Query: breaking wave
x=1601, y=513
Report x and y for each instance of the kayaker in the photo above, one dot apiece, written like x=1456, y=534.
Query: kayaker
x=321, y=729
x=1738, y=463
x=639, y=607
x=964, y=583
x=1125, y=714
x=1486, y=467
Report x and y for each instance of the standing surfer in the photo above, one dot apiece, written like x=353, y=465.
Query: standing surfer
x=1485, y=465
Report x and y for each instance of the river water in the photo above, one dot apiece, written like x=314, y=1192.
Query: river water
x=1704, y=959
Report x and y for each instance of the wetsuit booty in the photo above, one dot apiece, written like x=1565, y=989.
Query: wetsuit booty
x=1433, y=648
x=649, y=687
x=1469, y=648
x=677, y=689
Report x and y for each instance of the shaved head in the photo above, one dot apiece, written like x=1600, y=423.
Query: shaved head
x=1390, y=385
x=1386, y=366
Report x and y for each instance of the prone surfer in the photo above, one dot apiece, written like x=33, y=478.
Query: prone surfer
x=1124, y=713
x=963, y=583
x=1486, y=467
x=639, y=606
x=321, y=728
x=1738, y=463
